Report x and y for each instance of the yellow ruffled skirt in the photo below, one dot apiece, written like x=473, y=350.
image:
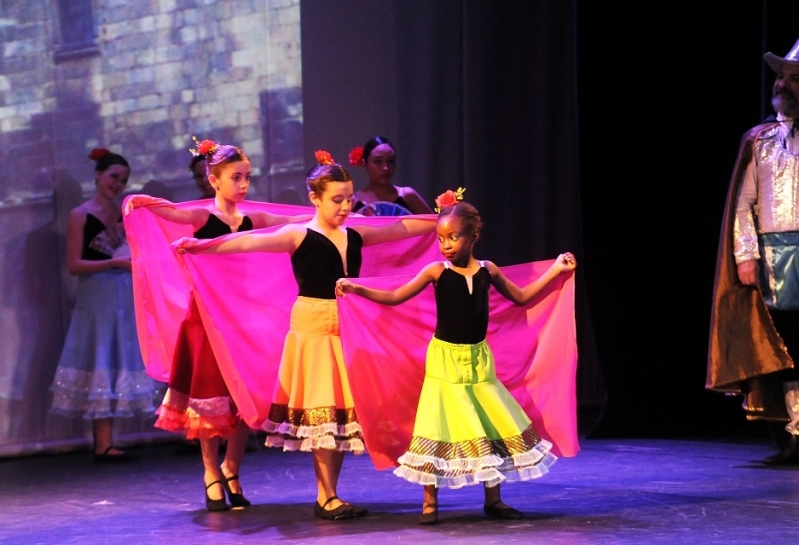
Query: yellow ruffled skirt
x=312, y=405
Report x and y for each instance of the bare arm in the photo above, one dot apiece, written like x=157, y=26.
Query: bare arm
x=285, y=239
x=265, y=219
x=416, y=203
x=521, y=296
x=404, y=228
x=166, y=209
x=78, y=266
x=396, y=296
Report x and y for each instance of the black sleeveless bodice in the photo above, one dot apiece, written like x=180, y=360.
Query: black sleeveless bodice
x=100, y=241
x=317, y=263
x=215, y=227
x=462, y=317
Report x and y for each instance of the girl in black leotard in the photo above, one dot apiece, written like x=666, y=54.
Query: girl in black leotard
x=468, y=428
x=198, y=402
x=312, y=407
x=100, y=374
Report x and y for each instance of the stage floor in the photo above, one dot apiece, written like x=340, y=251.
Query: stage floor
x=617, y=492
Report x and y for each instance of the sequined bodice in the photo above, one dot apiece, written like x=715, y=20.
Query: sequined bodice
x=777, y=207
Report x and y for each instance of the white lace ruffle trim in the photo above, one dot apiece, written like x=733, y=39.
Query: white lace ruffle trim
x=490, y=470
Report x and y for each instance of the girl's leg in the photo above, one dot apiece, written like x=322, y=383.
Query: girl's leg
x=234, y=453
x=210, y=452
x=429, y=505
x=430, y=501
x=493, y=495
x=104, y=451
x=102, y=436
x=494, y=507
x=327, y=465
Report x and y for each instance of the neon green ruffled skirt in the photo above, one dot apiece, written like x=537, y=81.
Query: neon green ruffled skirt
x=468, y=428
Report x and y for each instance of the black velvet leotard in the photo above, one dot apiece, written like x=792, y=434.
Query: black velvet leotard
x=462, y=317
x=215, y=227
x=317, y=263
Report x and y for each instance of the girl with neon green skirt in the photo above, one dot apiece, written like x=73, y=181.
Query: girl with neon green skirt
x=468, y=428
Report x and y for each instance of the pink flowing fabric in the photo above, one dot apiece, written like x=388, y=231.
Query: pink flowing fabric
x=534, y=346
x=245, y=300
x=162, y=285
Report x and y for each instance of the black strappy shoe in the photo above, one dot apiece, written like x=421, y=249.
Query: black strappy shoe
x=504, y=513
x=237, y=500
x=107, y=458
x=342, y=512
x=215, y=505
x=429, y=518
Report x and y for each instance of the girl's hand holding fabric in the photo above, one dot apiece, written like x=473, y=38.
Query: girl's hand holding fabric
x=132, y=202
x=186, y=244
x=343, y=286
x=567, y=261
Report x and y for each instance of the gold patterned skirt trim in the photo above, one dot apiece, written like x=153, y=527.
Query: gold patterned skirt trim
x=454, y=465
x=311, y=429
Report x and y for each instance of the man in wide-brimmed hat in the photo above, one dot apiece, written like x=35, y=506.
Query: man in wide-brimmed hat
x=754, y=332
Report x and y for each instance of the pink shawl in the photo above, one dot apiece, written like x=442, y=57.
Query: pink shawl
x=245, y=300
x=534, y=346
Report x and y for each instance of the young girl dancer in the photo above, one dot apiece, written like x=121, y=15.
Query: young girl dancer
x=100, y=373
x=379, y=159
x=468, y=428
x=312, y=407
x=198, y=402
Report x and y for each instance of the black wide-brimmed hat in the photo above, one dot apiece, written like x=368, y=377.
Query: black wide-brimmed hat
x=791, y=58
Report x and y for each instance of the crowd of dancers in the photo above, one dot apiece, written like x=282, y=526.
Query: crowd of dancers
x=222, y=360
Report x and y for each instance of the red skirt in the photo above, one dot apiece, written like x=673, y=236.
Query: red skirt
x=197, y=402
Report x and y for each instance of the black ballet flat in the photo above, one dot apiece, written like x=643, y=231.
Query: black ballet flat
x=106, y=458
x=215, y=505
x=431, y=518
x=237, y=500
x=504, y=513
x=342, y=512
x=357, y=511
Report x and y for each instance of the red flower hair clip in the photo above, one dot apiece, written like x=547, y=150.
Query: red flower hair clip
x=356, y=156
x=206, y=147
x=323, y=157
x=448, y=198
x=97, y=153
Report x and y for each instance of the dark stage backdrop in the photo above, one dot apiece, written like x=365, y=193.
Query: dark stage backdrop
x=604, y=128
x=472, y=93
x=666, y=91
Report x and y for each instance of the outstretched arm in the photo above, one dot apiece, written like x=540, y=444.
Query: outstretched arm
x=521, y=296
x=396, y=296
x=403, y=228
x=165, y=209
x=285, y=239
x=265, y=219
